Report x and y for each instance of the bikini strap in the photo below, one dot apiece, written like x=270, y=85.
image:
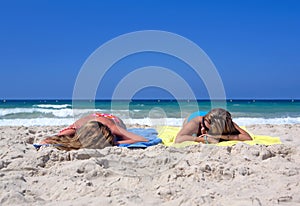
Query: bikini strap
x=199, y=129
x=109, y=116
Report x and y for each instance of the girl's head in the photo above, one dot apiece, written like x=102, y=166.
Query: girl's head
x=92, y=135
x=220, y=122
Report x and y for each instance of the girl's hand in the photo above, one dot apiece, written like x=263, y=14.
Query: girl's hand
x=203, y=131
x=210, y=139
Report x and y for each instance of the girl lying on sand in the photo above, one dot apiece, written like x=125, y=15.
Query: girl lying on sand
x=215, y=126
x=94, y=131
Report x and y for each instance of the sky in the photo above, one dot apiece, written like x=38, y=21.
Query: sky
x=254, y=46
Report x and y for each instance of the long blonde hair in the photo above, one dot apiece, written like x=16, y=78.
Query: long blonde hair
x=220, y=122
x=92, y=135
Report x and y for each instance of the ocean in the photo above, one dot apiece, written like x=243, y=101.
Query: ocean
x=145, y=112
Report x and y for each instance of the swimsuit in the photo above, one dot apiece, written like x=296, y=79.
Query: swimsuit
x=109, y=116
x=196, y=114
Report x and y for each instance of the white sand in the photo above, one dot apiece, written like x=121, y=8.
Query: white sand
x=158, y=175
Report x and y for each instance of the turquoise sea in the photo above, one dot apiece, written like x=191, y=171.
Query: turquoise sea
x=149, y=112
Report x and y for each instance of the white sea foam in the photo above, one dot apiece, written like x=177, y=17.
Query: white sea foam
x=143, y=121
x=36, y=122
x=55, y=106
x=251, y=121
x=239, y=121
x=55, y=112
x=155, y=122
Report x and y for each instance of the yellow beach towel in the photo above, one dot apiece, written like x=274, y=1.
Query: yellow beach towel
x=168, y=134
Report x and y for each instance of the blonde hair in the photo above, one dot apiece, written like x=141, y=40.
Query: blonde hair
x=92, y=135
x=220, y=122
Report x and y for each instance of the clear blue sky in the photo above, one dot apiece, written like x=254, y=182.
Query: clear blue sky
x=255, y=45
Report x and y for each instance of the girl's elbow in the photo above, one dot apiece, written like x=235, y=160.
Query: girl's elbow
x=177, y=140
x=248, y=137
x=114, y=129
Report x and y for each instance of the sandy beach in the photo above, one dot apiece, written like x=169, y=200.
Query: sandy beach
x=194, y=175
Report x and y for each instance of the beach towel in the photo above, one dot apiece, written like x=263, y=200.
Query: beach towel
x=150, y=134
x=168, y=134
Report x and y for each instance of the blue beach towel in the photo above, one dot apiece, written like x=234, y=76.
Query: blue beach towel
x=150, y=134
x=38, y=146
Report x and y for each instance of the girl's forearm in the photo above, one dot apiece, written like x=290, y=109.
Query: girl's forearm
x=240, y=137
x=183, y=138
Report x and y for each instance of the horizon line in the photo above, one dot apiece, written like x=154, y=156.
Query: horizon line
x=155, y=99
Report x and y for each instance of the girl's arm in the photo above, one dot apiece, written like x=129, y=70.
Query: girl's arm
x=70, y=130
x=187, y=131
x=243, y=136
x=126, y=136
